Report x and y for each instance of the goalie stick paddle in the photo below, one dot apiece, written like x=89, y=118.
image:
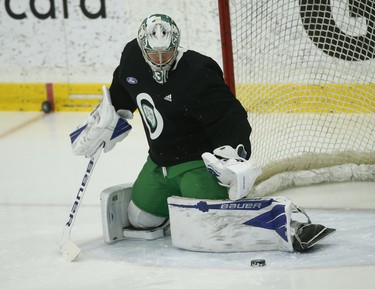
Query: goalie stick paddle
x=68, y=248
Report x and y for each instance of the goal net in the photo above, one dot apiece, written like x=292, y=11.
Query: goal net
x=305, y=72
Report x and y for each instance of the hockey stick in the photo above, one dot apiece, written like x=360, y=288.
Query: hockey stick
x=68, y=248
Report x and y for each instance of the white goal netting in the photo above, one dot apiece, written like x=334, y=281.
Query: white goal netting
x=305, y=72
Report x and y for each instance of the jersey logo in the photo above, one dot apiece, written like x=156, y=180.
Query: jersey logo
x=168, y=97
x=131, y=80
x=161, y=77
x=151, y=116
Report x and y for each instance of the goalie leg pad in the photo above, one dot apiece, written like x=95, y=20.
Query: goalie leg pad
x=119, y=214
x=114, y=207
x=231, y=226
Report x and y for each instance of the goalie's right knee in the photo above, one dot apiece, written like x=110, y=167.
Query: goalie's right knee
x=142, y=220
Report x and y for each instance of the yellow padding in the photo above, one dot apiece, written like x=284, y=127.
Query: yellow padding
x=76, y=97
x=22, y=96
x=258, y=98
x=65, y=96
x=307, y=98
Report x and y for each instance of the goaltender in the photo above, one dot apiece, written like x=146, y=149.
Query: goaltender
x=199, y=169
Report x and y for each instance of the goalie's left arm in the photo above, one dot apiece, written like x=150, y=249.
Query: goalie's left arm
x=103, y=125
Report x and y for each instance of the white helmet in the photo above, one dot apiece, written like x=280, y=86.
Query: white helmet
x=159, y=38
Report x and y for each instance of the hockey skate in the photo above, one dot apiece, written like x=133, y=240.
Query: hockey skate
x=308, y=235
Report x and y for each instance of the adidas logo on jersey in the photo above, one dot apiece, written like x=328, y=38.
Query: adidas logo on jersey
x=168, y=97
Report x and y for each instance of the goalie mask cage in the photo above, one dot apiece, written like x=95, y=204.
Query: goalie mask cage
x=305, y=72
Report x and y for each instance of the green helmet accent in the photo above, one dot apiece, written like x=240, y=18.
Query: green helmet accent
x=158, y=33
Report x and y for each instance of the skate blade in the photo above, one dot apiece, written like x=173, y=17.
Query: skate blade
x=326, y=232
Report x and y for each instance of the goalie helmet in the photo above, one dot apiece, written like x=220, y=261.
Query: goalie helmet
x=159, y=38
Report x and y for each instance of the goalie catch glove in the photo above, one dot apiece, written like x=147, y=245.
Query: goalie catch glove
x=232, y=170
x=103, y=125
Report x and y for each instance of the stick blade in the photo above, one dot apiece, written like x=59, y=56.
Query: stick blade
x=70, y=251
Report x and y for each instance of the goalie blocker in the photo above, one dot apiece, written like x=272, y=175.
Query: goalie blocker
x=216, y=225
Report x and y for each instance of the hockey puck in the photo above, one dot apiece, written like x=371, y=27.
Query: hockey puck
x=258, y=263
x=46, y=106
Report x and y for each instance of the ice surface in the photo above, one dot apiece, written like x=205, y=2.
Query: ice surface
x=351, y=245
x=40, y=178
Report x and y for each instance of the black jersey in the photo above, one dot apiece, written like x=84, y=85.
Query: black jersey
x=192, y=113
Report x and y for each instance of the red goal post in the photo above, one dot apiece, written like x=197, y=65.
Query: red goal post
x=226, y=44
x=305, y=72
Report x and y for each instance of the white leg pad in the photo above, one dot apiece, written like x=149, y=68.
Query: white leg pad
x=231, y=226
x=114, y=206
